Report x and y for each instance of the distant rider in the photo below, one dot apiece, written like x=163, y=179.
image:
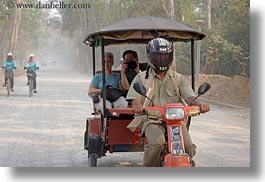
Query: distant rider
x=9, y=64
x=32, y=65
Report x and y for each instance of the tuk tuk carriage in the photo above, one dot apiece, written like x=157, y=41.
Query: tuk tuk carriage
x=107, y=131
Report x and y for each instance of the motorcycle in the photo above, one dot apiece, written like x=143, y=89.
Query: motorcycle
x=172, y=115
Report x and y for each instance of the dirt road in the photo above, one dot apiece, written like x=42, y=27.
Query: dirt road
x=47, y=129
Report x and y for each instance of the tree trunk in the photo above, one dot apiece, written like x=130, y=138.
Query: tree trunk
x=209, y=26
x=168, y=8
x=17, y=20
x=82, y=49
x=171, y=9
x=4, y=32
x=209, y=14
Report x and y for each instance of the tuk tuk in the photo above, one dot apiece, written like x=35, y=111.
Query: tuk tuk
x=107, y=131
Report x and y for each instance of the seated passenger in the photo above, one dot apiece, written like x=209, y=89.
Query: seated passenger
x=112, y=80
x=129, y=69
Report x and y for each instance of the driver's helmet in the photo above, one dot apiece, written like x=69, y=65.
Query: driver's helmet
x=31, y=55
x=9, y=54
x=160, y=54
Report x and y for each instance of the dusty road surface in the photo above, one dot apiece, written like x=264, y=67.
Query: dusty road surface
x=47, y=129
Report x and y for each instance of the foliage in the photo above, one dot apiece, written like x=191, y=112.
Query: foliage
x=31, y=32
x=226, y=47
x=230, y=34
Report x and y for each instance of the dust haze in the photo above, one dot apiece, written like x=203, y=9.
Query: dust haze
x=58, y=51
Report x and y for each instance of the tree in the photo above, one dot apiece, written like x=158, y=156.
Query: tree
x=17, y=19
x=225, y=48
x=228, y=38
x=168, y=7
x=209, y=14
x=4, y=29
x=23, y=31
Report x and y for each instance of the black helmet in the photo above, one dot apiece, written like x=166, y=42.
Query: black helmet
x=160, y=54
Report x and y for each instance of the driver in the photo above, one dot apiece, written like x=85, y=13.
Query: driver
x=167, y=87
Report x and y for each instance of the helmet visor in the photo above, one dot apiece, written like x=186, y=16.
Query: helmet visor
x=161, y=59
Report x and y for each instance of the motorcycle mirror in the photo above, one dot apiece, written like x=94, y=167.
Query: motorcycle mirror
x=139, y=88
x=203, y=88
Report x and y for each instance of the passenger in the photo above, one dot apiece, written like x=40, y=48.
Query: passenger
x=112, y=80
x=9, y=65
x=130, y=68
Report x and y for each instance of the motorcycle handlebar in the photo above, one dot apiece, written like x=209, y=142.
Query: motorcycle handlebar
x=189, y=110
x=118, y=111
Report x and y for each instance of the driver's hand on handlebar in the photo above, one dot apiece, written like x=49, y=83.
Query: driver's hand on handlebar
x=204, y=108
x=137, y=106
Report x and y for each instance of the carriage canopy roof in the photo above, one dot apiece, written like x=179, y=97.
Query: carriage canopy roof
x=143, y=29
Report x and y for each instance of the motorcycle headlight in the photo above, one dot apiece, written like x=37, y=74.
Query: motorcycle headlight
x=175, y=113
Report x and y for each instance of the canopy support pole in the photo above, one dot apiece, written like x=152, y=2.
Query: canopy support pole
x=103, y=76
x=192, y=77
x=94, y=59
x=192, y=66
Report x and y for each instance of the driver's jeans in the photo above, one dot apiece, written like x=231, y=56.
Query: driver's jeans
x=155, y=135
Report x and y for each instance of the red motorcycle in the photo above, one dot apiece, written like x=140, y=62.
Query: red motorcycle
x=174, y=154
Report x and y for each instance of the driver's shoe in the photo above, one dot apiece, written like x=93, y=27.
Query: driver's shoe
x=27, y=84
x=12, y=90
x=35, y=91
